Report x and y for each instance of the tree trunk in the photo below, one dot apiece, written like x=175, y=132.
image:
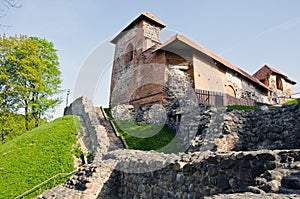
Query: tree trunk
x=3, y=137
x=37, y=120
x=35, y=109
x=26, y=117
x=4, y=118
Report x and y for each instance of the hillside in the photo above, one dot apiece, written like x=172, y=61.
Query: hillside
x=16, y=125
x=37, y=156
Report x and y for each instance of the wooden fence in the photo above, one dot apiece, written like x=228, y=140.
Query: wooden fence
x=222, y=99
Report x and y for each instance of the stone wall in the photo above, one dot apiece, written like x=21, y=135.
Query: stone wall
x=195, y=175
x=265, y=128
x=287, y=88
x=152, y=32
x=94, y=135
x=245, y=89
x=122, y=74
x=181, y=106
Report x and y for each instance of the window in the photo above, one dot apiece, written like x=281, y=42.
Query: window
x=128, y=57
x=266, y=82
x=279, y=83
x=230, y=90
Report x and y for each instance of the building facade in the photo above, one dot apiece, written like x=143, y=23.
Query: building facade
x=141, y=65
x=278, y=83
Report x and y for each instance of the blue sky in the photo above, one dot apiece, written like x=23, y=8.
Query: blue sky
x=248, y=33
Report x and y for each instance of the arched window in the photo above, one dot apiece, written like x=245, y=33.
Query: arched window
x=128, y=56
x=279, y=83
x=230, y=90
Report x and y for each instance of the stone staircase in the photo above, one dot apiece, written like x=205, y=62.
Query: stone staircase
x=91, y=180
x=115, y=142
x=86, y=183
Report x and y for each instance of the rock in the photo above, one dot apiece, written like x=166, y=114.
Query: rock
x=123, y=112
x=265, y=156
x=255, y=190
x=223, y=182
x=291, y=182
x=212, y=171
x=155, y=115
x=264, y=108
x=227, y=164
x=272, y=186
x=227, y=118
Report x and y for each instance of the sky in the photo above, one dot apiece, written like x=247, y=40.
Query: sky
x=247, y=33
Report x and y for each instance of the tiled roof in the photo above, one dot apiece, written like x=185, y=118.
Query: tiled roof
x=266, y=71
x=200, y=48
x=153, y=18
x=146, y=16
x=263, y=73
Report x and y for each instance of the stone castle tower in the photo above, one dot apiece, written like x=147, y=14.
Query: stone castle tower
x=130, y=45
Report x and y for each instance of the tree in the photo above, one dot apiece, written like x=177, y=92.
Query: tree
x=5, y=5
x=29, y=77
x=7, y=84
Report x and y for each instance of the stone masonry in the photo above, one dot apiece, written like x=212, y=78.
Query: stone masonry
x=235, y=154
x=249, y=130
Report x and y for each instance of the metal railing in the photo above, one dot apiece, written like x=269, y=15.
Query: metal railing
x=43, y=183
x=114, y=129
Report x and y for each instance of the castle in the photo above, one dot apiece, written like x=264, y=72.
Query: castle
x=141, y=65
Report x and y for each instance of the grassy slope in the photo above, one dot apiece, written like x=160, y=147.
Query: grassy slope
x=37, y=155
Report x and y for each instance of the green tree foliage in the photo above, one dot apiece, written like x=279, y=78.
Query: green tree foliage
x=29, y=77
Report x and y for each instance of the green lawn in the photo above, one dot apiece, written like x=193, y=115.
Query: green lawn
x=294, y=101
x=38, y=155
x=144, y=136
x=242, y=107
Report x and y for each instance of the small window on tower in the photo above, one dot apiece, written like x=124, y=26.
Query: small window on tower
x=128, y=57
x=279, y=83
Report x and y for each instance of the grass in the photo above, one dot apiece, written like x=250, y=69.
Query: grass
x=38, y=155
x=294, y=101
x=242, y=107
x=144, y=136
x=108, y=113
